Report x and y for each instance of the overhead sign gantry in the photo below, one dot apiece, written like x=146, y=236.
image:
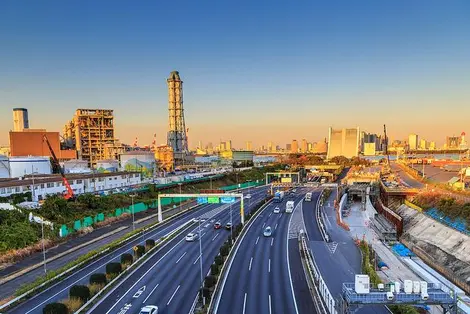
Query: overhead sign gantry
x=207, y=198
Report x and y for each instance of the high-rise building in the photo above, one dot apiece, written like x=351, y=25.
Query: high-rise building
x=294, y=147
x=343, y=142
x=453, y=142
x=270, y=146
x=177, y=137
x=20, y=119
x=91, y=133
x=432, y=145
x=310, y=147
x=199, y=145
x=423, y=144
x=304, y=147
x=228, y=145
x=249, y=146
x=288, y=147
x=413, y=141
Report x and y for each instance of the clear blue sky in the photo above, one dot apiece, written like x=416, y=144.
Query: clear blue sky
x=252, y=70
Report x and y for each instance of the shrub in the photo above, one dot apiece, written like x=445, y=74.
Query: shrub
x=55, y=308
x=73, y=304
x=218, y=260
x=113, y=268
x=210, y=281
x=96, y=287
x=98, y=278
x=149, y=243
x=214, y=269
x=224, y=250
x=139, y=251
x=206, y=293
x=127, y=258
x=81, y=292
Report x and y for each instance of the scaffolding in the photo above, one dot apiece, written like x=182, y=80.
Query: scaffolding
x=92, y=133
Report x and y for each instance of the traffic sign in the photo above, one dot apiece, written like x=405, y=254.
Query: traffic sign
x=213, y=200
x=202, y=200
x=227, y=199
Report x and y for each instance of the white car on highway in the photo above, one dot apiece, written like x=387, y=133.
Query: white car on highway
x=267, y=232
x=248, y=196
x=149, y=309
x=277, y=210
x=191, y=237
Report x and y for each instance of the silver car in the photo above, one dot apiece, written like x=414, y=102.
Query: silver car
x=267, y=232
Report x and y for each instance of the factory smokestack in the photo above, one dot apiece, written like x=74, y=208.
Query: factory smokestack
x=177, y=138
x=20, y=119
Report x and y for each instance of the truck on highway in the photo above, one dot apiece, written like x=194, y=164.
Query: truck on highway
x=289, y=207
x=308, y=197
x=278, y=196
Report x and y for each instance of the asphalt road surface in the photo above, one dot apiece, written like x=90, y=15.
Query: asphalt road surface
x=259, y=280
x=60, y=290
x=171, y=278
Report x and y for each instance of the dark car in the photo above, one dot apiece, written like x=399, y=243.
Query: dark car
x=217, y=225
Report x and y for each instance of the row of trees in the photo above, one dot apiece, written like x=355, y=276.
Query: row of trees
x=301, y=160
x=80, y=294
x=446, y=204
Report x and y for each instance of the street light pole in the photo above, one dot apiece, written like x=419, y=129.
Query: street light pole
x=231, y=224
x=200, y=263
x=180, y=196
x=43, y=247
x=133, y=217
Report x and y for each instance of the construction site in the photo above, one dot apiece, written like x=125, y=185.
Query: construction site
x=91, y=132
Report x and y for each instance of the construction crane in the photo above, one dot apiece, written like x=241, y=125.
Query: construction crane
x=55, y=162
x=386, y=149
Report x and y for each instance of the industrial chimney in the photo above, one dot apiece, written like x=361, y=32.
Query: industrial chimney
x=20, y=119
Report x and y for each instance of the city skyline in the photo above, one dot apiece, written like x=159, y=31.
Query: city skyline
x=238, y=71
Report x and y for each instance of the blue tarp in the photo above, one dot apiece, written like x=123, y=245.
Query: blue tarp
x=402, y=250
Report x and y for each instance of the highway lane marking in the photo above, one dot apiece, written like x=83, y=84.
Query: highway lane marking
x=145, y=300
x=263, y=225
x=257, y=239
x=269, y=265
x=275, y=227
x=177, y=288
x=179, y=259
x=215, y=237
x=197, y=259
x=288, y=264
x=251, y=261
x=139, y=292
x=270, y=310
x=270, y=214
x=272, y=240
x=280, y=216
x=244, y=303
x=152, y=233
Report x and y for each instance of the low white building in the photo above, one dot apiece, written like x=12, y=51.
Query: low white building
x=41, y=186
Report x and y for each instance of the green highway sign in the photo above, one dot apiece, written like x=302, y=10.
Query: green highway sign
x=213, y=200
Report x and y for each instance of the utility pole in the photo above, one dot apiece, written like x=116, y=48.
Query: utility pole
x=231, y=224
x=180, y=193
x=43, y=247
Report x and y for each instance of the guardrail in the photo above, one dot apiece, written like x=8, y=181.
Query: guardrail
x=217, y=294
x=16, y=300
x=320, y=222
x=138, y=263
x=310, y=274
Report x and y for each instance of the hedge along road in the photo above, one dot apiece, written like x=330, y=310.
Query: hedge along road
x=171, y=278
x=60, y=290
x=9, y=288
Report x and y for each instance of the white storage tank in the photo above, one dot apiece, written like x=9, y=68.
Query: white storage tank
x=4, y=167
x=21, y=166
x=397, y=287
x=108, y=165
x=75, y=166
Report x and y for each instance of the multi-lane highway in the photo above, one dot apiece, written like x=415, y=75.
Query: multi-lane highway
x=171, y=278
x=260, y=278
x=60, y=290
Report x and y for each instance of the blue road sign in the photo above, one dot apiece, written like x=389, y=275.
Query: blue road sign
x=202, y=200
x=227, y=199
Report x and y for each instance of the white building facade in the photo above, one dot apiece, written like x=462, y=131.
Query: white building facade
x=41, y=187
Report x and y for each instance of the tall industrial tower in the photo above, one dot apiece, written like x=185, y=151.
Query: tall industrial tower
x=177, y=137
